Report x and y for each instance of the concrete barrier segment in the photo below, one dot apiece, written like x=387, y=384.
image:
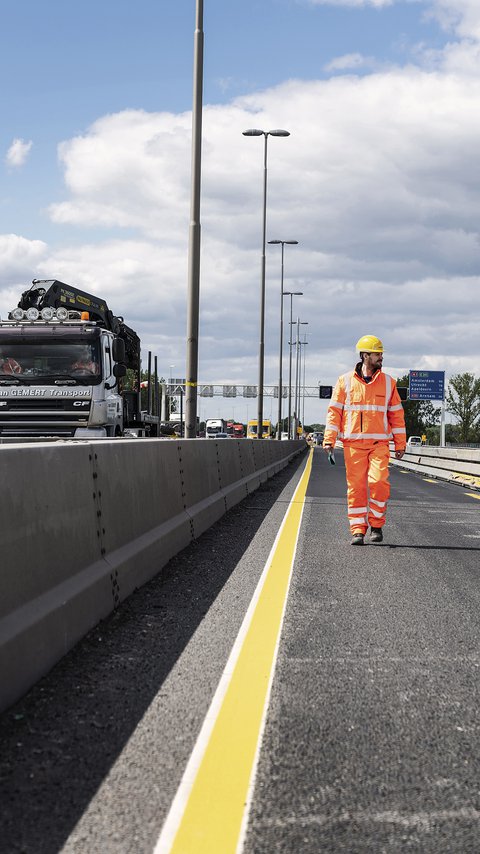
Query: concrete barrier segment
x=455, y=465
x=142, y=484
x=48, y=519
x=54, y=585
x=84, y=524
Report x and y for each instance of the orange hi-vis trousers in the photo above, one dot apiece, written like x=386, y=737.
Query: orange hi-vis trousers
x=368, y=487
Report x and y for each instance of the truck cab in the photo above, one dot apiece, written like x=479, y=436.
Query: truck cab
x=62, y=358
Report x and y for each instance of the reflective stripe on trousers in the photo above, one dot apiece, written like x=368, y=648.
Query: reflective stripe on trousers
x=368, y=487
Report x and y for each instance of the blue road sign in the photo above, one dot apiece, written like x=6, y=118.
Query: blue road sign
x=426, y=385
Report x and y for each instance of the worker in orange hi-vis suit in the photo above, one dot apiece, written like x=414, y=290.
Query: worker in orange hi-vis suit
x=365, y=413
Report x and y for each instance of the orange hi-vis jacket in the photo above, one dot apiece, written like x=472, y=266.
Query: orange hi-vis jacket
x=362, y=413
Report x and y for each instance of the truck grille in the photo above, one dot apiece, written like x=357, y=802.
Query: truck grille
x=21, y=416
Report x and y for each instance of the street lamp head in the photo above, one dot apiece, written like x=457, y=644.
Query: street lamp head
x=290, y=242
x=258, y=132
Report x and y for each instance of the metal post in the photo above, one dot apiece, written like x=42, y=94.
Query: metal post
x=442, y=424
x=261, y=357
x=279, y=415
x=291, y=294
x=149, y=383
x=304, y=366
x=156, y=407
x=296, y=377
x=290, y=371
x=261, y=354
x=280, y=365
x=194, y=234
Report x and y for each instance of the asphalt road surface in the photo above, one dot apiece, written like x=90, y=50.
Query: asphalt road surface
x=371, y=741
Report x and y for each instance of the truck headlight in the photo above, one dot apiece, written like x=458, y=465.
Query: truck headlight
x=32, y=313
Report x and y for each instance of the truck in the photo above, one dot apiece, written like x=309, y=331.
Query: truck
x=252, y=427
x=214, y=426
x=238, y=431
x=63, y=360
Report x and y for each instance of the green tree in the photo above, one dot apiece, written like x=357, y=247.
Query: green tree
x=420, y=415
x=463, y=402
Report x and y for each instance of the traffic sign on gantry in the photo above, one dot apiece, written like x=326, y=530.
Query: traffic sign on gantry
x=426, y=385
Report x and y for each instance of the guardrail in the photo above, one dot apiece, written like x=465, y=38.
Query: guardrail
x=84, y=524
x=456, y=465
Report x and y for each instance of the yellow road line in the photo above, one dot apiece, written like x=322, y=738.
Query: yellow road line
x=427, y=480
x=210, y=810
x=473, y=495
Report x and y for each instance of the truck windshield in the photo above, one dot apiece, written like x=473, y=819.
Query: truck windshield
x=46, y=361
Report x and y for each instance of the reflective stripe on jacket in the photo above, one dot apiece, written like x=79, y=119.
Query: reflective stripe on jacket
x=365, y=412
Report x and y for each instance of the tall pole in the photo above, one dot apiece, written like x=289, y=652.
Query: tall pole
x=290, y=371
x=304, y=367
x=298, y=373
x=261, y=354
x=296, y=376
x=280, y=361
x=291, y=294
x=279, y=415
x=194, y=234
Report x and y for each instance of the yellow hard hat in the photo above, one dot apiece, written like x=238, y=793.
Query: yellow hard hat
x=369, y=344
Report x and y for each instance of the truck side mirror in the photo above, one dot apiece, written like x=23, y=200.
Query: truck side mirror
x=118, y=350
x=119, y=371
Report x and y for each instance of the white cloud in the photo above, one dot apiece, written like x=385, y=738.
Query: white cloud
x=18, y=152
x=461, y=16
x=349, y=62
x=377, y=182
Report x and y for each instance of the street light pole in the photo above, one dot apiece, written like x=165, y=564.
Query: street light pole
x=305, y=343
x=193, y=310
x=297, y=373
x=291, y=294
x=261, y=355
x=280, y=389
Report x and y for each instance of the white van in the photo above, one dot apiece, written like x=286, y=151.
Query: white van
x=414, y=442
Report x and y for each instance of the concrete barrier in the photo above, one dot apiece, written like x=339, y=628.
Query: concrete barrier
x=84, y=524
x=456, y=465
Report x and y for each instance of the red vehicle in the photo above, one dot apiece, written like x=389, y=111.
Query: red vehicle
x=238, y=431
x=229, y=428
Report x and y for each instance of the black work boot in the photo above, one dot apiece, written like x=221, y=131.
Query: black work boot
x=376, y=535
x=357, y=540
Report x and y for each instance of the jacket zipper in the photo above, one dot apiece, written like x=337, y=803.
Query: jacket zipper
x=361, y=422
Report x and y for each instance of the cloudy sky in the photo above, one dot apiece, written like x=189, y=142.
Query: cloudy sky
x=378, y=181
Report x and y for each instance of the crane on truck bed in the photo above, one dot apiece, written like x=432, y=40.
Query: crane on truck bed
x=58, y=294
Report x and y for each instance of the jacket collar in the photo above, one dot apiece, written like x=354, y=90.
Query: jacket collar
x=358, y=373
